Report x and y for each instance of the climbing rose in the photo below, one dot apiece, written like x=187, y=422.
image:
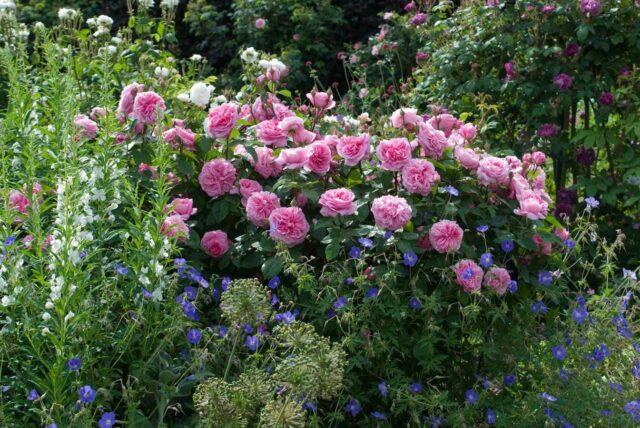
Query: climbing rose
x=498, y=279
x=174, y=226
x=215, y=243
x=493, y=172
x=394, y=153
x=217, y=177
x=288, y=225
x=418, y=176
x=468, y=275
x=221, y=120
x=532, y=205
x=391, y=212
x=87, y=128
x=445, y=236
x=147, y=108
x=319, y=158
x=354, y=148
x=337, y=202
x=259, y=207
x=405, y=118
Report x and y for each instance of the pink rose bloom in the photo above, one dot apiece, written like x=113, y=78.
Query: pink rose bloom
x=445, y=123
x=493, y=172
x=147, y=108
x=217, y=177
x=539, y=181
x=445, y=236
x=97, y=112
x=247, y=188
x=467, y=157
x=538, y=158
x=319, y=160
x=281, y=111
x=468, y=275
x=405, y=118
x=515, y=165
x=174, y=227
x=288, y=225
x=221, y=120
x=418, y=176
x=259, y=207
x=300, y=200
x=337, y=202
x=394, y=153
x=562, y=233
x=87, y=128
x=271, y=134
x=432, y=140
x=215, y=243
x=179, y=136
x=260, y=23
x=266, y=164
x=391, y=212
x=294, y=127
x=354, y=148
x=182, y=207
x=532, y=205
x=518, y=185
x=18, y=201
x=294, y=158
x=321, y=100
x=128, y=95
x=468, y=131
x=498, y=279
x=544, y=247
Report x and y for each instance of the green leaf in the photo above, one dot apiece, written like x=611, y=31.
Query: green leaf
x=272, y=267
x=332, y=250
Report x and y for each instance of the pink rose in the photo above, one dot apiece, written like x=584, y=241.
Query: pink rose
x=445, y=123
x=294, y=158
x=468, y=275
x=215, y=243
x=515, y=165
x=562, y=233
x=493, y=172
x=391, y=212
x=498, y=279
x=321, y=100
x=394, y=153
x=532, y=205
x=217, y=177
x=174, y=227
x=294, y=127
x=468, y=158
x=97, y=112
x=544, y=247
x=247, y=188
x=468, y=131
x=354, y=148
x=147, y=108
x=260, y=23
x=445, y=236
x=337, y=202
x=266, y=164
x=319, y=158
x=18, y=201
x=221, y=120
x=538, y=158
x=418, y=176
x=182, y=207
x=271, y=134
x=128, y=95
x=178, y=136
x=288, y=225
x=87, y=128
x=405, y=118
x=518, y=185
x=259, y=207
x=433, y=141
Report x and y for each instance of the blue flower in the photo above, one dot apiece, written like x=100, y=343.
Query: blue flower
x=371, y=293
x=635, y=370
x=482, y=228
x=600, y=352
x=579, y=314
x=452, y=190
x=310, y=406
x=190, y=292
x=355, y=252
x=9, y=241
x=559, y=352
x=544, y=278
x=379, y=416
x=569, y=243
x=509, y=379
x=622, y=326
x=52, y=425
x=388, y=234
x=352, y=407
x=471, y=396
x=548, y=397
x=513, y=286
x=247, y=328
x=252, y=343
x=632, y=407
x=107, y=420
x=591, y=202
x=86, y=394
x=538, y=307
x=410, y=258
x=226, y=281
x=120, y=268
x=146, y=293
x=486, y=260
x=507, y=245
x=74, y=364
x=348, y=281
x=274, y=282
x=222, y=331
x=285, y=318
x=365, y=242
x=194, y=336
x=416, y=388
x=190, y=310
x=384, y=390
x=340, y=302
x=616, y=387
x=491, y=416
x=33, y=395
x=414, y=303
